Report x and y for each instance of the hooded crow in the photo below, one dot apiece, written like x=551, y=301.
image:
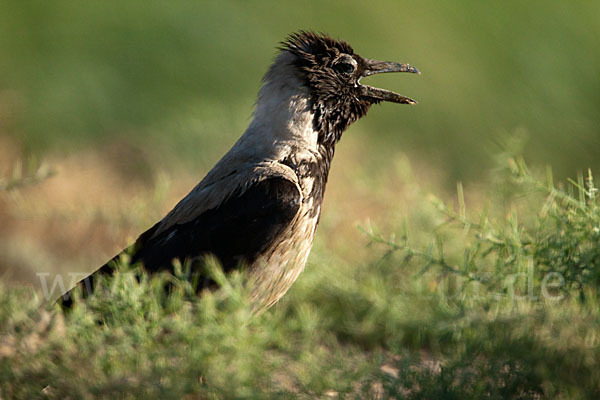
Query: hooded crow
x=259, y=206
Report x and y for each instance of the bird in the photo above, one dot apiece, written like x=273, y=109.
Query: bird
x=258, y=208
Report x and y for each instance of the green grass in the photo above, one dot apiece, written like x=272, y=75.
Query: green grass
x=498, y=302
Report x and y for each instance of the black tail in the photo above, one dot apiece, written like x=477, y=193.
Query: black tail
x=87, y=284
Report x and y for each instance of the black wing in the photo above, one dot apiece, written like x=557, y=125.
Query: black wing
x=238, y=230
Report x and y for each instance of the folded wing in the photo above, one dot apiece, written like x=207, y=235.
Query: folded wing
x=236, y=231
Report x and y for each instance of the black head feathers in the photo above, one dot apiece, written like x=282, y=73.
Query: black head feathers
x=332, y=72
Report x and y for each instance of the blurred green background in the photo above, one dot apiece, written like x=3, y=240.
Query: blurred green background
x=181, y=77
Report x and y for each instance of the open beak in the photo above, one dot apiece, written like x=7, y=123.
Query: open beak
x=379, y=67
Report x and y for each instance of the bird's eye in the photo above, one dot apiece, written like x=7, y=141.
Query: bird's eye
x=345, y=67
